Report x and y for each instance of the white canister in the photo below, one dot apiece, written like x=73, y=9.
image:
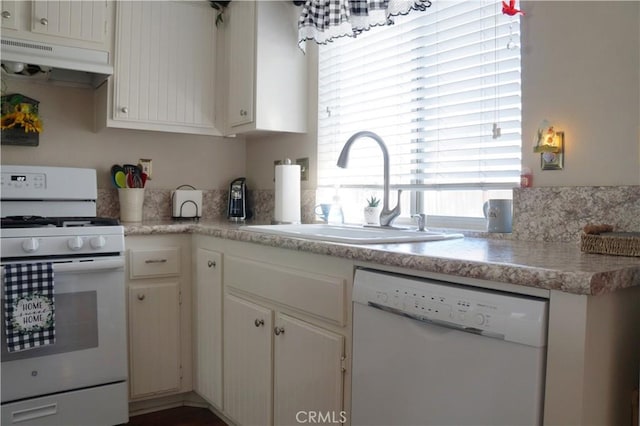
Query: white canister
x=498, y=214
x=131, y=201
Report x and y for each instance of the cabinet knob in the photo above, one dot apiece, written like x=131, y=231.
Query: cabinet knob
x=243, y=113
x=44, y=21
x=212, y=264
x=6, y=14
x=278, y=330
x=125, y=110
x=258, y=322
x=140, y=296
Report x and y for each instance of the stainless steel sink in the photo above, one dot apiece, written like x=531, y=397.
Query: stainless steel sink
x=351, y=234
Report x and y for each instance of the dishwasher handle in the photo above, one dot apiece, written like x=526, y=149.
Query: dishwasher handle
x=440, y=323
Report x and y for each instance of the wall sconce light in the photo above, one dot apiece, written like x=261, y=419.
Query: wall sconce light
x=550, y=145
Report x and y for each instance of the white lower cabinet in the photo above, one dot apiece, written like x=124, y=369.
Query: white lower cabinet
x=154, y=320
x=248, y=330
x=306, y=366
x=308, y=372
x=207, y=326
x=285, y=336
x=272, y=333
x=158, y=287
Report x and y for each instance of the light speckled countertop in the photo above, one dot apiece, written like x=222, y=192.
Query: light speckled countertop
x=553, y=266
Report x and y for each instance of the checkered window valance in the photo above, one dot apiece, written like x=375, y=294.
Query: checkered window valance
x=324, y=20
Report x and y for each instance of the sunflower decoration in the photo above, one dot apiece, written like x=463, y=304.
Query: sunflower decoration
x=21, y=113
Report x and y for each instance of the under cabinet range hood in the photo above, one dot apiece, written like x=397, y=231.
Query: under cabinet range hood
x=48, y=62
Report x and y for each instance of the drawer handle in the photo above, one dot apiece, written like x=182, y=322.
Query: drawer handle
x=258, y=322
x=44, y=21
x=278, y=330
x=34, y=413
x=155, y=261
x=6, y=14
x=211, y=264
x=141, y=296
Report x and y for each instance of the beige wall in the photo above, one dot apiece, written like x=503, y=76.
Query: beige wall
x=68, y=139
x=581, y=69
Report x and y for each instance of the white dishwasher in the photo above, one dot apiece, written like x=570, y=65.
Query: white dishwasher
x=426, y=352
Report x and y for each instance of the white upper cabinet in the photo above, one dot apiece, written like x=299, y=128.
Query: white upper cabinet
x=9, y=15
x=72, y=23
x=265, y=69
x=240, y=53
x=164, y=76
x=80, y=20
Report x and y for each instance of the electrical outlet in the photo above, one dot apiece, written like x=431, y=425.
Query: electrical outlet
x=275, y=163
x=145, y=163
x=304, y=167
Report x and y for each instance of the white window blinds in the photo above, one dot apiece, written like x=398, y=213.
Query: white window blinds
x=441, y=88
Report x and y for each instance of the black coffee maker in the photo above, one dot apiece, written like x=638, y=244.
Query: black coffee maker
x=238, y=209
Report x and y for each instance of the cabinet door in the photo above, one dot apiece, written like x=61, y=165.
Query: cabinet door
x=207, y=304
x=240, y=49
x=154, y=338
x=308, y=372
x=165, y=66
x=79, y=20
x=248, y=328
x=9, y=18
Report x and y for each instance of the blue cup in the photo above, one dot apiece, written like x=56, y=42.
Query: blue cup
x=322, y=211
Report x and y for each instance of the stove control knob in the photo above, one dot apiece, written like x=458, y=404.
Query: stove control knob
x=98, y=242
x=75, y=243
x=30, y=245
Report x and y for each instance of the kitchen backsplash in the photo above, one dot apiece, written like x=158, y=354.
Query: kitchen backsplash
x=157, y=204
x=560, y=213
x=539, y=214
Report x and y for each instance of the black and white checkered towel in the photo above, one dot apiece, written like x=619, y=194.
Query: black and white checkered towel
x=324, y=20
x=29, y=305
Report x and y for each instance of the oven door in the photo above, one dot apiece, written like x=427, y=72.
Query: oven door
x=90, y=324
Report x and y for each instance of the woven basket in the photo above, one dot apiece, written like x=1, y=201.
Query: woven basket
x=616, y=243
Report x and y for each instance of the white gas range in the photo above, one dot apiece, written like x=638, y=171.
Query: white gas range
x=77, y=374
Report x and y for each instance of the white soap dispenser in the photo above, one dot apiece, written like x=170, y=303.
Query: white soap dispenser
x=336, y=216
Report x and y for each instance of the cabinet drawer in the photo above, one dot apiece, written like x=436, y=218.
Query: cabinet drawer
x=154, y=263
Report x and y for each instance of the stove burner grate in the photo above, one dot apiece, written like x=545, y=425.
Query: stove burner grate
x=57, y=222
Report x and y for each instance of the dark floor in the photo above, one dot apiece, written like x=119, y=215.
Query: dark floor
x=181, y=416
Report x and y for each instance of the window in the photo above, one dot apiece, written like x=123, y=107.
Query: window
x=442, y=88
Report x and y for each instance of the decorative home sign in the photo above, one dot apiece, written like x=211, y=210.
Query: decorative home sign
x=21, y=124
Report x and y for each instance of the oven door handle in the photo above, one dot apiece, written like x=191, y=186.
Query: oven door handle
x=89, y=266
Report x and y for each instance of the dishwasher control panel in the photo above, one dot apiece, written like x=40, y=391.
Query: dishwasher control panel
x=486, y=312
